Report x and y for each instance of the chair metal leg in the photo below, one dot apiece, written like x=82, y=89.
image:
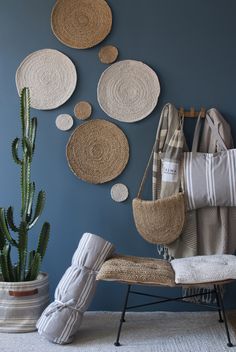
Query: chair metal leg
x=218, y=305
x=221, y=303
x=122, y=318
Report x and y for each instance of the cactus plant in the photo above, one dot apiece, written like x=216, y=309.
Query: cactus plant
x=28, y=264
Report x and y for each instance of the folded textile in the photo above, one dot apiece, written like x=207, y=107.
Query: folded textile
x=204, y=268
x=61, y=319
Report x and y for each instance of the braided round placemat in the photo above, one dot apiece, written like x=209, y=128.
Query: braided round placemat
x=119, y=192
x=83, y=110
x=97, y=151
x=51, y=77
x=128, y=90
x=64, y=122
x=81, y=24
x=108, y=54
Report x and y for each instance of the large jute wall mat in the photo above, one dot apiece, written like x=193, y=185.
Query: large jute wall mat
x=97, y=151
x=81, y=24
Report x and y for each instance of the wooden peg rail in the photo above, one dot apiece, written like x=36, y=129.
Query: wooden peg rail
x=192, y=113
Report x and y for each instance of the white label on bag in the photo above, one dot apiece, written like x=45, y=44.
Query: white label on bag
x=170, y=171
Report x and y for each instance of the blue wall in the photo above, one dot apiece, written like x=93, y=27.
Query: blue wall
x=189, y=43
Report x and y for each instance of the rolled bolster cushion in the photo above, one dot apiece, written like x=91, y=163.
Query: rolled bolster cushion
x=61, y=320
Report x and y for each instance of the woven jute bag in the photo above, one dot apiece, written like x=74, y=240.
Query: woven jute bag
x=159, y=221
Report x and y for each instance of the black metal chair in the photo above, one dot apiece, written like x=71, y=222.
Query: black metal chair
x=155, y=272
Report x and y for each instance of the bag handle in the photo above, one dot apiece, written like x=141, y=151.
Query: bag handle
x=214, y=130
x=145, y=173
x=196, y=134
x=150, y=158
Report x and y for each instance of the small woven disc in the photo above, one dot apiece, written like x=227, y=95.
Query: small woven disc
x=64, y=122
x=108, y=54
x=81, y=24
x=97, y=151
x=51, y=77
x=83, y=110
x=128, y=90
x=119, y=192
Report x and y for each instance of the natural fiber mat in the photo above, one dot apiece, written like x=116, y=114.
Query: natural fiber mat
x=81, y=24
x=97, y=151
x=51, y=77
x=108, y=54
x=83, y=110
x=119, y=192
x=64, y=122
x=128, y=90
x=137, y=270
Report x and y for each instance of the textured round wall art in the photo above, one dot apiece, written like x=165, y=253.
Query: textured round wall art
x=81, y=24
x=108, y=54
x=128, y=90
x=119, y=192
x=97, y=151
x=83, y=110
x=64, y=122
x=51, y=77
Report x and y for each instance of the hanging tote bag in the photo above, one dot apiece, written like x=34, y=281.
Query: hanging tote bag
x=210, y=178
x=161, y=221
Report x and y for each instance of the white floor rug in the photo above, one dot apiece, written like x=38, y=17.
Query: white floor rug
x=144, y=332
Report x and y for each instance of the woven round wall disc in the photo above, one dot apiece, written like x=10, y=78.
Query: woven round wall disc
x=97, y=151
x=108, y=54
x=83, y=110
x=81, y=24
x=51, y=77
x=64, y=122
x=119, y=192
x=128, y=90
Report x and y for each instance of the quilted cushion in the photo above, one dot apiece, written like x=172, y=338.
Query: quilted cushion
x=204, y=268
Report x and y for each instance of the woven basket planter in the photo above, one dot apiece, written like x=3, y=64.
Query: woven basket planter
x=22, y=303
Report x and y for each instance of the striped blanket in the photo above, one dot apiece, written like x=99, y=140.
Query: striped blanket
x=169, y=145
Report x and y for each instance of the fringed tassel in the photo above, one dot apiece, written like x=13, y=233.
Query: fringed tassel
x=206, y=298
x=164, y=252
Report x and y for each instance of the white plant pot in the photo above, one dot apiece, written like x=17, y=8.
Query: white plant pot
x=22, y=303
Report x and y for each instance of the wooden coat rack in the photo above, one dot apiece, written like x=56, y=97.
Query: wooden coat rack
x=192, y=113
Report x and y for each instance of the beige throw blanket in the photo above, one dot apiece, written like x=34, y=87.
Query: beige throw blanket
x=170, y=143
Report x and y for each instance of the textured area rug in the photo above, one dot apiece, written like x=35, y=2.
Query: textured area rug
x=144, y=332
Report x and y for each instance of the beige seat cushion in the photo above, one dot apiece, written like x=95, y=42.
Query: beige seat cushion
x=137, y=270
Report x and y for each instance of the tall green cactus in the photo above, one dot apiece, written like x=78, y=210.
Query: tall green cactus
x=28, y=264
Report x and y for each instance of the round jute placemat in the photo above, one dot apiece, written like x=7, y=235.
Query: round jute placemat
x=83, y=110
x=108, y=54
x=97, y=151
x=64, y=122
x=51, y=77
x=119, y=192
x=81, y=24
x=128, y=90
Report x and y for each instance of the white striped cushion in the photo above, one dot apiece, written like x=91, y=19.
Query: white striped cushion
x=210, y=179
